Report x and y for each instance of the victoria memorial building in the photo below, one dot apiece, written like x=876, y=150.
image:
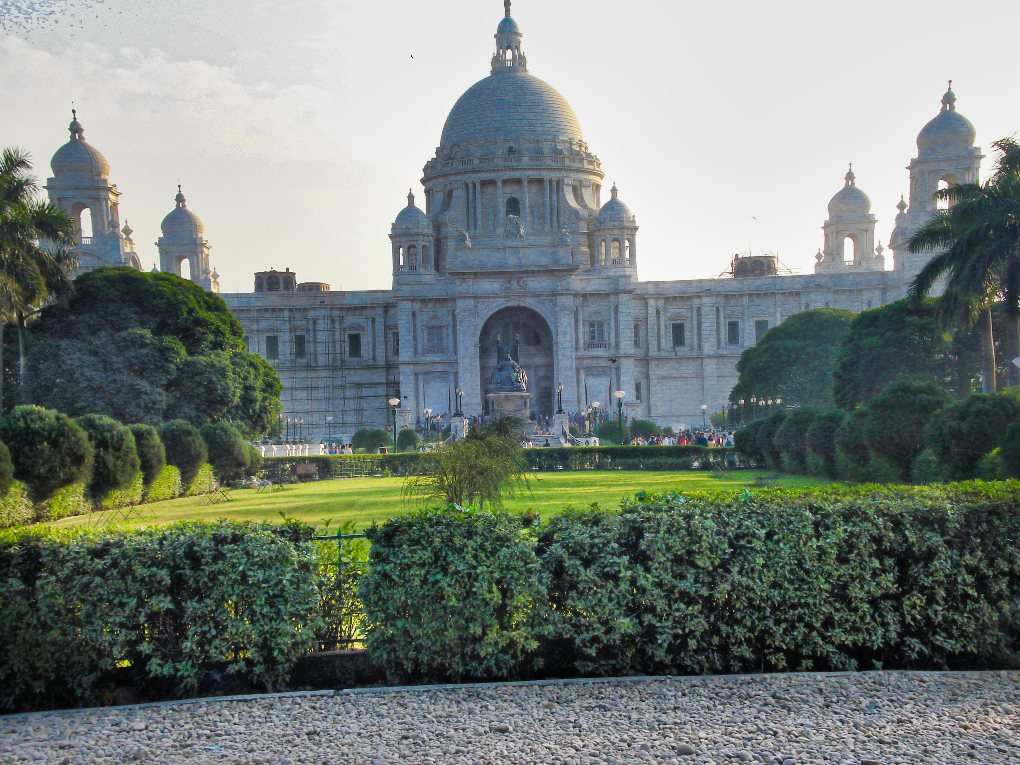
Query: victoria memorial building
x=514, y=239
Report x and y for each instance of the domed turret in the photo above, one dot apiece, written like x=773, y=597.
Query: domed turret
x=411, y=220
x=78, y=157
x=849, y=201
x=615, y=214
x=181, y=223
x=948, y=132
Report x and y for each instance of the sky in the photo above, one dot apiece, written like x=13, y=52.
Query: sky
x=297, y=128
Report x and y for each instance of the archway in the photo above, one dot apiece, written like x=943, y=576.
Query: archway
x=536, y=352
x=184, y=269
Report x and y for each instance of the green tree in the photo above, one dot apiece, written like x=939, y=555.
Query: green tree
x=6, y=469
x=150, y=348
x=895, y=427
x=48, y=449
x=229, y=454
x=1010, y=450
x=151, y=454
x=408, y=440
x=609, y=431
x=115, y=457
x=853, y=448
x=371, y=440
x=899, y=341
x=963, y=432
x=791, y=439
x=977, y=244
x=185, y=448
x=820, y=440
x=31, y=272
x=643, y=428
x=794, y=360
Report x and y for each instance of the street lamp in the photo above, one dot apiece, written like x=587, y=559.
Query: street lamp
x=619, y=395
x=593, y=411
x=428, y=422
x=394, y=403
x=459, y=393
x=704, y=417
x=754, y=408
x=559, y=399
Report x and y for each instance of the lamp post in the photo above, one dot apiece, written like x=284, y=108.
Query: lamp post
x=704, y=417
x=559, y=399
x=754, y=408
x=741, y=402
x=394, y=403
x=593, y=413
x=428, y=422
x=620, y=395
x=299, y=430
x=329, y=430
x=459, y=393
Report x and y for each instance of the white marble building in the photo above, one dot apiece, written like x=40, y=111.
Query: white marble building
x=515, y=237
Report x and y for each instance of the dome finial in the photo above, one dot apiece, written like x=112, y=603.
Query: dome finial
x=506, y=5
x=76, y=129
x=851, y=179
x=949, y=99
x=410, y=198
x=614, y=192
x=179, y=199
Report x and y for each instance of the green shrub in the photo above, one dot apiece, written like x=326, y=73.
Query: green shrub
x=115, y=459
x=963, y=432
x=989, y=467
x=407, y=440
x=185, y=448
x=174, y=603
x=747, y=440
x=767, y=440
x=895, y=429
x=340, y=568
x=65, y=503
x=609, y=431
x=48, y=449
x=371, y=440
x=1009, y=451
x=129, y=496
x=151, y=454
x=452, y=595
x=926, y=468
x=821, y=443
x=791, y=439
x=204, y=481
x=229, y=453
x=6, y=468
x=16, y=507
x=644, y=428
x=853, y=450
x=166, y=486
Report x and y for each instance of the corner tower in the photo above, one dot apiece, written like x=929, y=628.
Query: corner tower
x=81, y=187
x=849, y=232
x=184, y=240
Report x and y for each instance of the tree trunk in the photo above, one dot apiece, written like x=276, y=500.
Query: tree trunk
x=987, y=353
x=22, y=348
x=1012, y=348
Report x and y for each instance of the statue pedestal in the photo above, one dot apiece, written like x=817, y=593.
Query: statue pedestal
x=560, y=427
x=509, y=405
x=458, y=428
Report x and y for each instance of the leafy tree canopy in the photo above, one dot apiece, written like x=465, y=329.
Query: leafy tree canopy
x=895, y=427
x=115, y=457
x=794, y=361
x=48, y=449
x=965, y=431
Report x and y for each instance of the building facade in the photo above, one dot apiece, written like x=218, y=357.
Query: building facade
x=515, y=237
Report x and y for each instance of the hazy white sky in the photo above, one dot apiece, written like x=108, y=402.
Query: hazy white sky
x=296, y=128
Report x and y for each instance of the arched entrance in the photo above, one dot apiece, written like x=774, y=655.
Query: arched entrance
x=536, y=352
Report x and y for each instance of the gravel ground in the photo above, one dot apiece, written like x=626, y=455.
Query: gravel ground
x=858, y=719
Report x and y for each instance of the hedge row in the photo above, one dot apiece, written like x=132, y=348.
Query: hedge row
x=832, y=579
x=910, y=431
x=541, y=459
x=172, y=604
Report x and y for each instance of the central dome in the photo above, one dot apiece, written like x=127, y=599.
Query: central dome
x=510, y=105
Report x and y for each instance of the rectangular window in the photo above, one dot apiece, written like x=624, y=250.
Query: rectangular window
x=435, y=340
x=272, y=347
x=396, y=343
x=637, y=390
x=354, y=345
x=637, y=334
x=596, y=333
x=299, y=346
x=761, y=326
x=679, y=334
x=733, y=333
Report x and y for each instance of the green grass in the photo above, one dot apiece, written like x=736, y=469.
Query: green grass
x=364, y=500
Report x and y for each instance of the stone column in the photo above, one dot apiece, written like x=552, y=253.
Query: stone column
x=500, y=206
x=546, y=213
x=525, y=206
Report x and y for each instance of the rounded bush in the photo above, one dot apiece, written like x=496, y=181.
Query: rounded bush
x=747, y=440
x=767, y=440
x=791, y=439
x=115, y=459
x=644, y=428
x=151, y=454
x=407, y=440
x=48, y=450
x=185, y=448
x=821, y=443
x=853, y=451
x=229, y=453
x=895, y=428
x=963, y=432
x=6, y=469
x=609, y=431
x=371, y=440
x=1009, y=451
x=926, y=468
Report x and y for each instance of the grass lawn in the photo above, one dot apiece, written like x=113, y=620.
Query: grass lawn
x=364, y=500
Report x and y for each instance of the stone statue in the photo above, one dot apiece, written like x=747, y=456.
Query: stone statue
x=514, y=227
x=508, y=376
x=565, y=237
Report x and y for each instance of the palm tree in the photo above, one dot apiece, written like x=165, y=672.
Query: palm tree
x=977, y=239
x=36, y=262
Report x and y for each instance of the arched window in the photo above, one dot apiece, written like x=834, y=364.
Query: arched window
x=85, y=223
x=513, y=207
x=425, y=264
x=273, y=284
x=627, y=255
x=849, y=251
x=184, y=269
x=412, y=258
x=511, y=151
x=943, y=204
x=400, y=257
x=260, y=285
x=602, y=252
x=615, y=252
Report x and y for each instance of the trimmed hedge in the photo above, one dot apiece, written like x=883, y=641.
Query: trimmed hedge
x=151, y=454
x=825, y=579
x=204, y=481
x=65, y=503
x=49, y=451
x=16, y=508
x=114, y=455
x=166, y=486
x=175, y=603
x=130, y=495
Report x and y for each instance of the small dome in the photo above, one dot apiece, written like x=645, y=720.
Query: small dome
x=849, y=201
x=948, y=132
x=412, y=220
x=181, y=223
x=508, y=27
x=77, y=156
x=615, y=213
